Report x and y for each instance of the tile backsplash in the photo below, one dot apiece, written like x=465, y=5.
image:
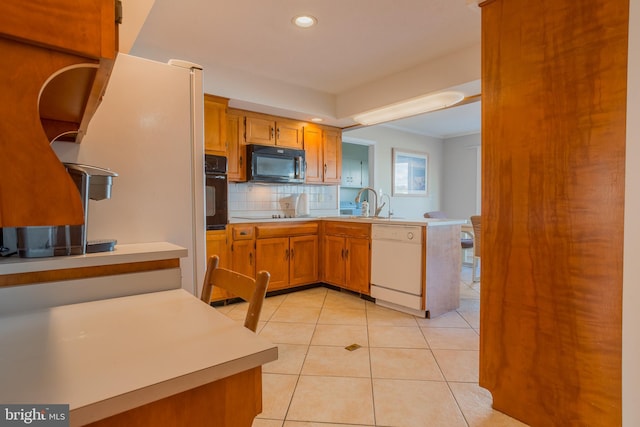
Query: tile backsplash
x=251, y=199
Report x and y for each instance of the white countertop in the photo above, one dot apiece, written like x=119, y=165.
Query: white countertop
x=105, y=357
x=121, y=254
x=429, y=222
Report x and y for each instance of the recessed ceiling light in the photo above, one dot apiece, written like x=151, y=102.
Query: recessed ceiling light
x=316, y=119
x=304, y=21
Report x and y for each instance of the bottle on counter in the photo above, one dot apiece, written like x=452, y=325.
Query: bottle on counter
x=365, y=208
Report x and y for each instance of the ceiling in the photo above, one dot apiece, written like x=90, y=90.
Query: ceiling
x=362, y=54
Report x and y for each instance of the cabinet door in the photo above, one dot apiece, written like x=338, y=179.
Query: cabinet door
x=289, y=133
x=259, y=130
x=313, y=153
x=334, y=260
x=272, y=255
x=358, y=264
x=243, y=257
x=217, y=245
x=332, y=155
x=215, y=125
x=303, y=265
x=236, y=170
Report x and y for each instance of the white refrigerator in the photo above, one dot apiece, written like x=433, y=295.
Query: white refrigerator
x=149, y=129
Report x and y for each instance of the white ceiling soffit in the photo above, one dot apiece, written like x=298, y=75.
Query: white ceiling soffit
x=448, y=123
x=362, y=54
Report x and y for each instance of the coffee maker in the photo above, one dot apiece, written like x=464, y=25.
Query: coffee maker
x=93, y=183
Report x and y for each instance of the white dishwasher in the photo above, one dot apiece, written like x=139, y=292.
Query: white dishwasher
x=396, y=267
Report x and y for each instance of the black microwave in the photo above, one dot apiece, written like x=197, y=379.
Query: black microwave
x=275, y=164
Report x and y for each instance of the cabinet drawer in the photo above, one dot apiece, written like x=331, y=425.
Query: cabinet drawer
x=242, y=232
x=284, y=230
x=350, y=229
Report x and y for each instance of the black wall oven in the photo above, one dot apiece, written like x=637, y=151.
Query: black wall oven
x=215, y=174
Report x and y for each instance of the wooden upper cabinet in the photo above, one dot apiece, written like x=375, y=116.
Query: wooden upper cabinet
x=215, y=124
x=332, y=155
x=323, y=154
x=236, y=148
x=289, y=133
x=268, y=130
x=260, y=130
x=313, y=154
x=56, y=59
x=322, y=144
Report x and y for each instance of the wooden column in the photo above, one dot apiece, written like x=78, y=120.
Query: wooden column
x=553, y=167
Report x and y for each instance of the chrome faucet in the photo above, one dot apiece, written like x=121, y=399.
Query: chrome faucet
x=376, y=208
x=389, y=200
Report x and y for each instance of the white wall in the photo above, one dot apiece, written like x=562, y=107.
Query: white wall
x=460, y=176
x=385, y=139
x=631, y=279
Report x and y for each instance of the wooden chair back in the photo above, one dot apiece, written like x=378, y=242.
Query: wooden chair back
x=251, y=290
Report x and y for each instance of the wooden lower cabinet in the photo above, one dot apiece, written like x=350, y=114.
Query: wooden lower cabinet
x=273, y=256
x=291, y=259
x=303, y=262
x=347, y=256
x=243, y=257
x=217, y=245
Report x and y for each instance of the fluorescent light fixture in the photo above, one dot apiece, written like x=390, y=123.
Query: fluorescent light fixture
x=316, y=119
x=304, y=21
x=412, y=107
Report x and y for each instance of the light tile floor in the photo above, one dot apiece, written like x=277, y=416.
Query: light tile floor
x=407, y=372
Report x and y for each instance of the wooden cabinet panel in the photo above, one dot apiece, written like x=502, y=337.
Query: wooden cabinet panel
x=347, y=255
x=288, y=252
x=286, y=230
x=332, y=155
x=551, y=295
x=243, y=256
x=215, y=125
x=236, y=151
x=85, y=28
x=243, y=232
x=303, y=266
x=334, y=271
x=269, y=130
x=289, y=133
x=273, y=255
x=260, y=130
x=217, y=245
x=358, y=264
x=323, y=154
x=313, y=154
x=351, y=229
